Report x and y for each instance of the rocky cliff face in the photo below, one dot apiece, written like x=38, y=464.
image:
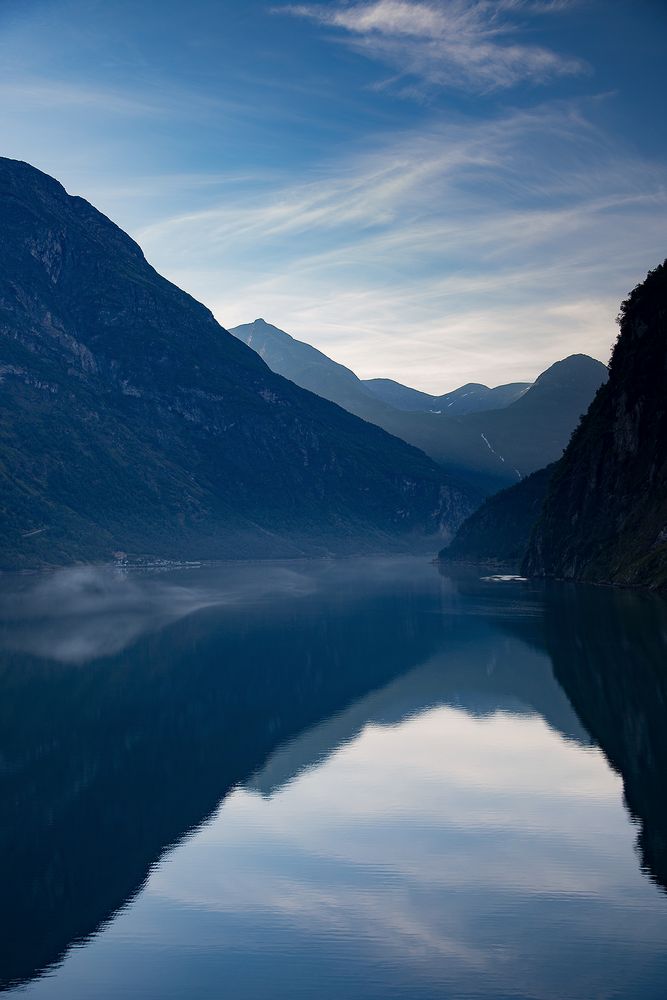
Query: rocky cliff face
x=130, y=420
x=605, y=515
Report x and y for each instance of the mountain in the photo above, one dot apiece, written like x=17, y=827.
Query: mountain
x=402, y=397
x=476, y=398
x=470, y=398
x=313, y=370
x=534, y=430
x=130, y=420
x=605, y=515
x=498, y=532
x=491, y=449
x=500, y=447
x=306, y=366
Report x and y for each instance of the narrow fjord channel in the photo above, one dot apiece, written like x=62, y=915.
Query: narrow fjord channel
x=325, y=779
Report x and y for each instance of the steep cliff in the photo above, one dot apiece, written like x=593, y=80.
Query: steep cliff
x=605, y=515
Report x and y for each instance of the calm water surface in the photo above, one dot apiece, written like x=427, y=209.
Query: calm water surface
x=327, y=780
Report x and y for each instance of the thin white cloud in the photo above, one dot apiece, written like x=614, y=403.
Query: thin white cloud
x=470, y=44
x=36, y=93
x=30, y=92
x=477, y=252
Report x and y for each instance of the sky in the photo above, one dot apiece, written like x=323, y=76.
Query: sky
x=435, y=191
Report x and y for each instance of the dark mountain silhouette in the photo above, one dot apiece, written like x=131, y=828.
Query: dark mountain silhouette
x=490, y=449
x=605, y=515
x=130, y=420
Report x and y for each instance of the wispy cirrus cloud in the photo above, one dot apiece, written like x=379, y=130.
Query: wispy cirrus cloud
x=39, y=93
x=470, y=44
x=460, y=252
x=478, y=238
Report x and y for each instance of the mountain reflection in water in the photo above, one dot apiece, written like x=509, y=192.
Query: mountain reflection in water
x=133, y=705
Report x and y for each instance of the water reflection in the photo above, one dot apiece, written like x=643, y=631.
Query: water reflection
x=609, y=653
x=346, y=715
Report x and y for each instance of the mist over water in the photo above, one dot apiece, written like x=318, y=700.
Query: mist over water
x=80, y=614
x=329, y=778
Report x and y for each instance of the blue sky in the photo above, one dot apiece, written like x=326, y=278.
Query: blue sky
x=436, y=191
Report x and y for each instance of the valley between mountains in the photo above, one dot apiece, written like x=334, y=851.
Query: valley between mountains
x=133, y=426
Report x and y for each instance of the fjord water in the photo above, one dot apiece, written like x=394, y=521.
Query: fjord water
x=331, y=779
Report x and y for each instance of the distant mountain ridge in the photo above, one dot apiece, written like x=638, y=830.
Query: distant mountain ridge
x=306, y=366
x=314, y=370
x=533, y=430
x=470, y=398
x=599, y=514
x=131, y=421
x=401, y=397
x=490, y=448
